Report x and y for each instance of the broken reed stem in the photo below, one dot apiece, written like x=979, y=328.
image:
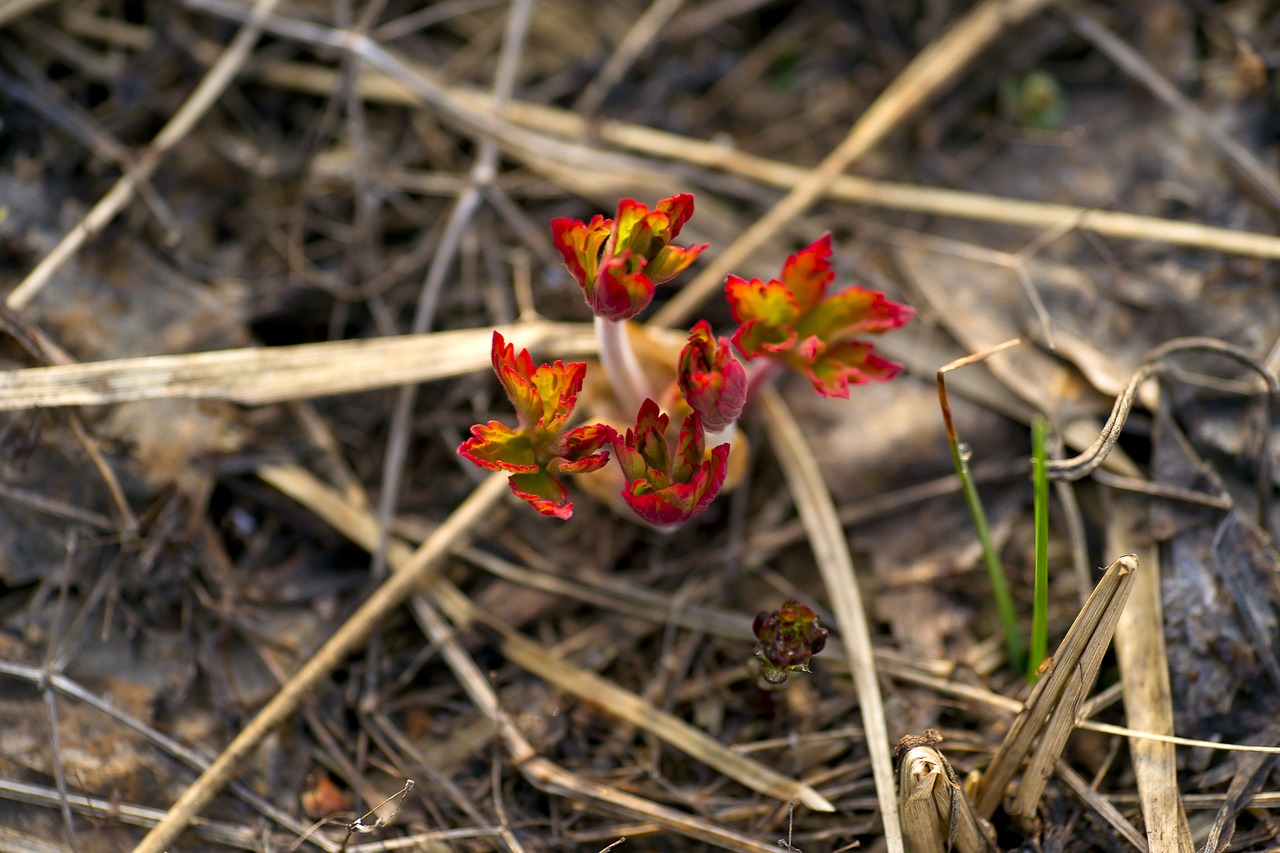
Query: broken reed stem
x=1040, y=606
x=1050, y=713
x=937, y=815
x=969, y=487
x=925, y=801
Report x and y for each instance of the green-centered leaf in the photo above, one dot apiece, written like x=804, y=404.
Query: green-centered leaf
x=793, y=320
x=618, y=262
x=539, y=449
x=665, y=488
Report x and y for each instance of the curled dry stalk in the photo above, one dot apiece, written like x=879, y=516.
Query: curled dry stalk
x=1156, y=364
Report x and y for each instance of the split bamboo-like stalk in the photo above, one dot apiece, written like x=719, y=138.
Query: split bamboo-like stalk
x=937, y=815
x=1050, y=713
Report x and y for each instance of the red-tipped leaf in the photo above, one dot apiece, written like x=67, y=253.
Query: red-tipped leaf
x=666, y=488
x=793, y=320
x=539, y=450
x=618, y=262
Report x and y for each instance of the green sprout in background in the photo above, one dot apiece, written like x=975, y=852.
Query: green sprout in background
x=960, y=454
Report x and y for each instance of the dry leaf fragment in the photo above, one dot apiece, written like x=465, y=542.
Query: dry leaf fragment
x=324, y=798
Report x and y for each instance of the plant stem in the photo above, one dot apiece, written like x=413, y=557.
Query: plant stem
x=760, y=372
x=960, y=456
x=724, y=436
x=627, y=380
x=995, y=569
x=1040, y=607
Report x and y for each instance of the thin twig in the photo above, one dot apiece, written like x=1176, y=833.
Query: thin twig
x=233, y=835
x=363, y=826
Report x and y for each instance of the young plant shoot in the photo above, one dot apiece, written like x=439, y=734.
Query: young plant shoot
x=673, y=474
x=787, y=638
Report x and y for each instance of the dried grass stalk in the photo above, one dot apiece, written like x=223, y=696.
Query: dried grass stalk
x=1148, y=698
x=258, y=375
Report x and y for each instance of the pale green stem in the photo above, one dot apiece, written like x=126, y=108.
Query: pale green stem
x=630, y=388
x=995, y=569
x=760, y=372
x=724, y=436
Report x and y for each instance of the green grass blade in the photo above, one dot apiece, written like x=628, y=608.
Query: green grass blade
x=960, y=457
x=995, y=569
x=1040, y=605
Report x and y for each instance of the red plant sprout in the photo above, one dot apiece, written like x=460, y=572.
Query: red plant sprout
x=796, y=322
x=790, y=321
x=664, y=489
x=788, y=637
x=713, y=382
x=540, y=449
x=619, y=261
